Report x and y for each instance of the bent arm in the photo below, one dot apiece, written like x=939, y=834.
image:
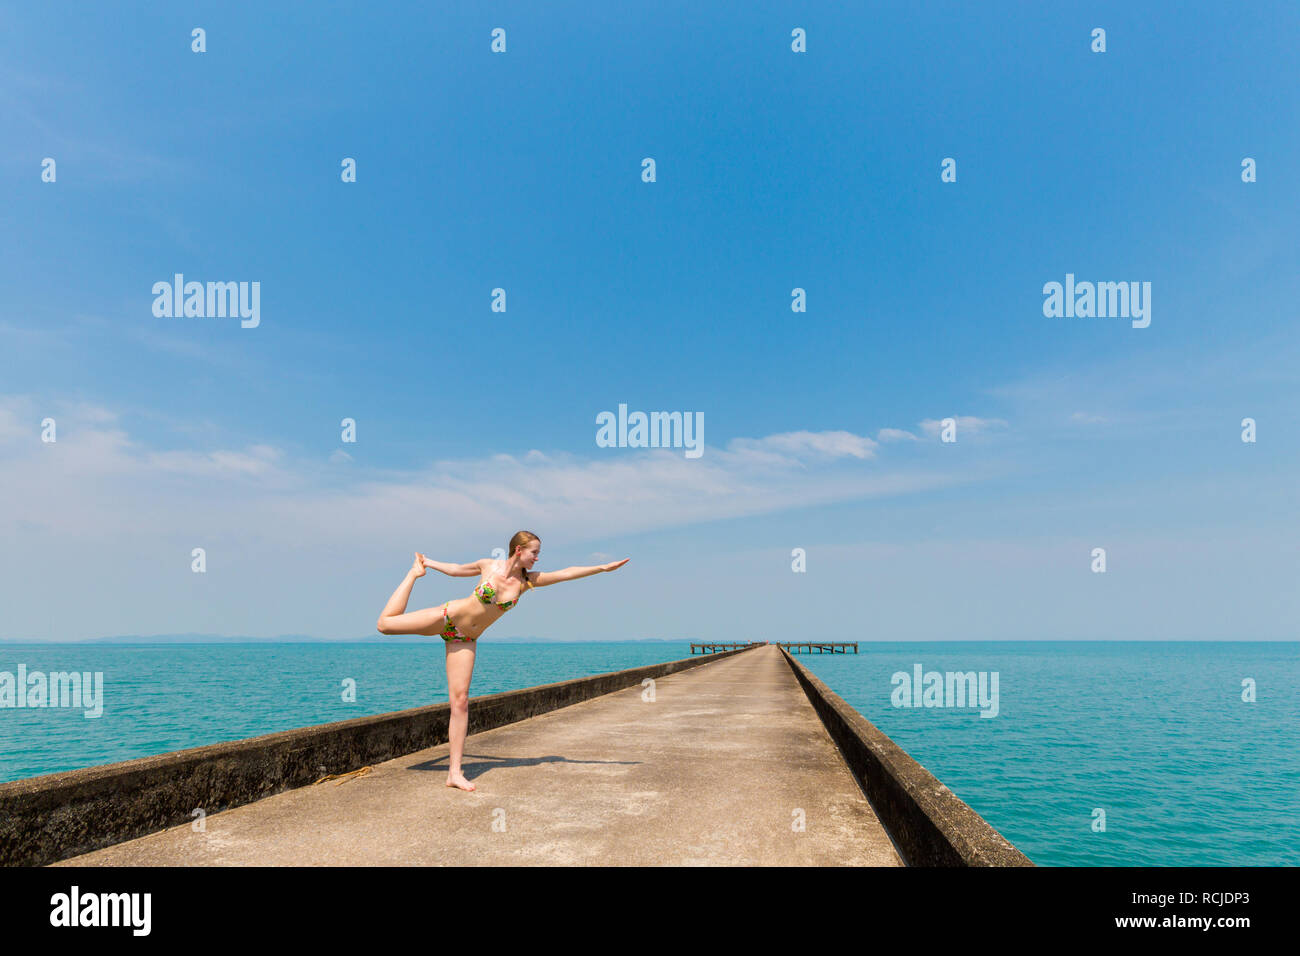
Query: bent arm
x=470, y=570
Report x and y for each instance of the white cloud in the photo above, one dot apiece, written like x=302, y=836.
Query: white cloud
x=97, y=480
x=966, y=425
x=257, y=460
x=895, y=434
x=294, y=545
x=793, y=447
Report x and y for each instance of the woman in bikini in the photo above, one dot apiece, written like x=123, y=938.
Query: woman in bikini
x=460, y=621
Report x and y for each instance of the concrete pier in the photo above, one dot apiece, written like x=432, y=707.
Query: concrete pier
x=744, y=758
x=728, y=765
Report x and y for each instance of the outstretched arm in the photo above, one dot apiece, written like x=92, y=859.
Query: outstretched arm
x=473, y=569
x=544, y=578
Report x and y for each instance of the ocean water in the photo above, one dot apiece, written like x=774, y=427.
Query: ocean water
x=1154, y=735
x=164, y=697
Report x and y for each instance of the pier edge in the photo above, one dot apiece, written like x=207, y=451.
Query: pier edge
x=930, y=825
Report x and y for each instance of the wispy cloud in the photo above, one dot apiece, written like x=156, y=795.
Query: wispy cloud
x=85, y=143
x=97, y=480
x=966, y=425
x=797, y=448
x=1147, y=387
x=85, y=332
x=896, y=434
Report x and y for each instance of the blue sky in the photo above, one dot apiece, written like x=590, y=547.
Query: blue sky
x=775, y=170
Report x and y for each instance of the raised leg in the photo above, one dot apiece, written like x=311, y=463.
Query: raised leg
x=393, y=621
x=460, y=668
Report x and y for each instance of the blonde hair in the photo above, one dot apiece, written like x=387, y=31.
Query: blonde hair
x=522, y=539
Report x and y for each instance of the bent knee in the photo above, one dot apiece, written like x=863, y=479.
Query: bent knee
x=382, y=626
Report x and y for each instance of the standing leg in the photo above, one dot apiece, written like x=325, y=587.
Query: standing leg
x=460, y=668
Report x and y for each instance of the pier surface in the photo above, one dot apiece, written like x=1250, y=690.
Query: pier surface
x=721, y=768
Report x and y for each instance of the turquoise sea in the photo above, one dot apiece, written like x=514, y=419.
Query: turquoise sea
x=1155, y=735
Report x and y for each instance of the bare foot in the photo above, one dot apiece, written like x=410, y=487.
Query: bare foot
x=458, y=780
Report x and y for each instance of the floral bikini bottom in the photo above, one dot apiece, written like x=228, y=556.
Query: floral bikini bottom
x=449, y=632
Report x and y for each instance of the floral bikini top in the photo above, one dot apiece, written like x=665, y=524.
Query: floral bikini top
x=486, y=592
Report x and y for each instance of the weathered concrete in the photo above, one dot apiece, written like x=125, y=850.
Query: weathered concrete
x=55, y=816
x=930, y=824
x=715, y=771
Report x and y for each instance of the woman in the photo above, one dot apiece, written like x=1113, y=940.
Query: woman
x=460, y=621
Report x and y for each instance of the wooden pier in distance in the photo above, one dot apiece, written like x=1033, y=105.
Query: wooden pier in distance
x=822, y=647
x=794, y=647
